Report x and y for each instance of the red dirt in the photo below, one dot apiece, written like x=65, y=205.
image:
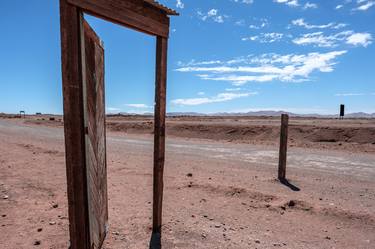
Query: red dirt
x=208, y=202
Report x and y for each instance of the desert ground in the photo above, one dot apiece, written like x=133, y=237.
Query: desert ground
x=220, y=183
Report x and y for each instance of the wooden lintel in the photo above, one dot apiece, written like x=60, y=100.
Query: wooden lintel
x=133, y=14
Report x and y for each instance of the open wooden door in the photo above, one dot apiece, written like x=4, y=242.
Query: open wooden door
x=95, y=137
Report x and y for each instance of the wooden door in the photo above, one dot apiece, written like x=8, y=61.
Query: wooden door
x=95, y=138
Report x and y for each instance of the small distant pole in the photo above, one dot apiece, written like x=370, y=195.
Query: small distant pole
x=342, y=111
x=283, y=146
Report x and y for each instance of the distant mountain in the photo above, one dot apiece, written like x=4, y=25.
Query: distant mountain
x=361, y=115
x=272, y=114
x=253, y=114
x=131, y=114
x=173, y=114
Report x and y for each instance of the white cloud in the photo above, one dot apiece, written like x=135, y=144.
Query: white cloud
x=140, y=106
x=113, y=109
x=292, y=3
x=259, y=23
x=239, y=80
x=349, y=94
x=180, y=4
x=302, y=23
x=364, y=6
x=230, y=69
x=233, y=89
x=244, y=1
x=212, y=14
x=201, y=93
x=199, y=63
x=268, y=67
x=360, y=5
x=319, y=39
x=359, y=39
x=295, y=3
x=339, y=6
x=309, y=5
x=240, y=22
x=265, y=37
x=221, y=97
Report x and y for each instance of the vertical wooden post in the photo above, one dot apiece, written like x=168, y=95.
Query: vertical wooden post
x=283, y=146
x=72, y=77
x=159, y=130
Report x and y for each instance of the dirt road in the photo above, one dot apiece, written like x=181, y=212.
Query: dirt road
x=232, y=199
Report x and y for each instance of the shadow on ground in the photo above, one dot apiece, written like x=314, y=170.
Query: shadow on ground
x=155, y=242
x=289, y=185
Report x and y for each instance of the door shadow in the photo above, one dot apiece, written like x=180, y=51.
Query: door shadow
x=155, y=242
x=289, y=185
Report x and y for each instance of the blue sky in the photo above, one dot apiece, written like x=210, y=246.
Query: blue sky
x=224, y=56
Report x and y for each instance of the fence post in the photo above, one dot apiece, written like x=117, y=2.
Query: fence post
x=283, y=146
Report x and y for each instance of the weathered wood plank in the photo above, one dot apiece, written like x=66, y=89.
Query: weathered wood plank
x=96, y=168
x=71, y=38
x=134, y=14
x=283, y=146
x=159, y=130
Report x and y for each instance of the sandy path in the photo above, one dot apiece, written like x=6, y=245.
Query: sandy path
x=232, y=200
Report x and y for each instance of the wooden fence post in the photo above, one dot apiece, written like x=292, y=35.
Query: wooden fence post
x=283, y=146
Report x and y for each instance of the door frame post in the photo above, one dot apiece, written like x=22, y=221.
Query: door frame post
x=159, y=130
x=71, y=21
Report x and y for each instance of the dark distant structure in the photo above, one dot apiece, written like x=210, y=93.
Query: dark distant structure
x=22, y=114
x=342, y=111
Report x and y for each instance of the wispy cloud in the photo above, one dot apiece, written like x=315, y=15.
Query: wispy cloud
x=140, y=106
x=199, y=63
x=113, y=109
x=339, y=6
x=233, y=89
x=180, y=4
x=292, y=3
x=364, y=5
x=309, y=5
x=296, y=3
x=302, y=23
x=349, y=94
x=240, y=23
x=265, y=37
x=359, y=39
x=221, y=97
x=268, y=67
x=244, y=1
x=259, y=23
x=212, y=14
x=319, y=39
x=239, y=80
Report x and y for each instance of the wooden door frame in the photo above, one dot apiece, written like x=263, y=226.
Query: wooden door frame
x=145, y=16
